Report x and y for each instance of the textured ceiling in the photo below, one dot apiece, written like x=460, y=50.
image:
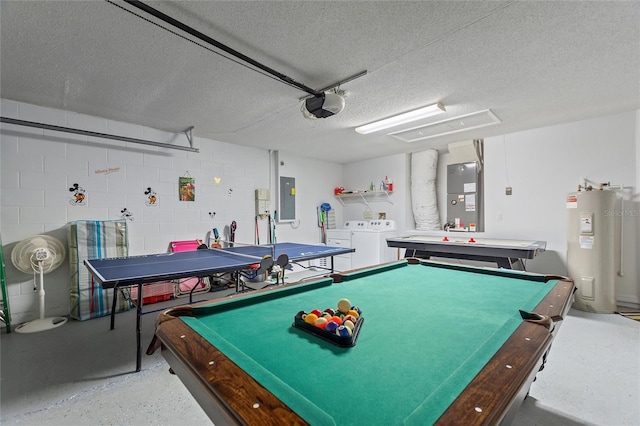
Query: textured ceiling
x=533, y=63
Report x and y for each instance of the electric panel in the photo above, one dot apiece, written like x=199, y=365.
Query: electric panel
x=287, y=199
x=464, y=197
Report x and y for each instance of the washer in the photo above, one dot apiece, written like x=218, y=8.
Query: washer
x=369, y=238
x=341, y=237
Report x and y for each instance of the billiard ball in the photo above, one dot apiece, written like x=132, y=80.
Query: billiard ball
x=331, y=326
x=344, y=305
x=310, y=318
x=351, y=318
x=343, y=331
x=321, y=322
x=349, y=325
x=353, y=313
x=316, y=312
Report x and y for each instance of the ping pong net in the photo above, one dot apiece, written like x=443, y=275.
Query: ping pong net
x=249, y=250
x=265, y=258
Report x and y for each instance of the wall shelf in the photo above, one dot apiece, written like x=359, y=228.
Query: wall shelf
x=363, y=196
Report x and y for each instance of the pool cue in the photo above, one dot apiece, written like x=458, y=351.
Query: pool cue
x=275, y=219
x=257, y=236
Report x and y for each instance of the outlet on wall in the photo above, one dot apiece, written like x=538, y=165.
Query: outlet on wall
x=508, y=190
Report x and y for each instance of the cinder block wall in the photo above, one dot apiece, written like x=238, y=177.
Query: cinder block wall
x=39, y=167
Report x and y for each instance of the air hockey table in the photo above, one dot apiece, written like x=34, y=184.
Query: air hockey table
x=507, y=254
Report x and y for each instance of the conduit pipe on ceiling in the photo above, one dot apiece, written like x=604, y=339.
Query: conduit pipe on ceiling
x=195, y=33
x=172, y=21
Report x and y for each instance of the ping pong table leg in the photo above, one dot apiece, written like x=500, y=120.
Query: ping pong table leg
x=138, y=329
x=113, y=307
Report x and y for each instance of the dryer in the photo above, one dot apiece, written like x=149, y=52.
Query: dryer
x=370, y=243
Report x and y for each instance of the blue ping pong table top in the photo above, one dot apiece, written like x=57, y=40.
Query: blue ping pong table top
x=121, y=271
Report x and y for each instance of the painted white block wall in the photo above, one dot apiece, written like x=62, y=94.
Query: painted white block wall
x=550, y=162
x=542, y=166
x=360, y=175
x=315, y=181
x=39, y=167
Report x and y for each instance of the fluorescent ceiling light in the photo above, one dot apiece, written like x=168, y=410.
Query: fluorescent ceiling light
x=474, y=120
x=407, y=117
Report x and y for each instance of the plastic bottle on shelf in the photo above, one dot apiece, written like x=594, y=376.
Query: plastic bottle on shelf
x=388, y=184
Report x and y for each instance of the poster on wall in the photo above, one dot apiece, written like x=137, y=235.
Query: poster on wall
x=79, y=196
x=151, y=197
x=187, y=188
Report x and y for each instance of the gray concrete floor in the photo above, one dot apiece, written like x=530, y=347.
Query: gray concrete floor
x=82, y=374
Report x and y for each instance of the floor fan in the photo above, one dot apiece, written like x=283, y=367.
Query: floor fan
x=40, y=254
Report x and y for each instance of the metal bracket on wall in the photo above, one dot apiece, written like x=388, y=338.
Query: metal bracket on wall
x=102, y=135
x=363, y=196
x=189, y=135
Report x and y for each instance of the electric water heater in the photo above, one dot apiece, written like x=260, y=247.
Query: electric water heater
x=591, y=249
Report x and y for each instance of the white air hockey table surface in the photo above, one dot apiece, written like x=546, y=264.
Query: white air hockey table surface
x=508, y=254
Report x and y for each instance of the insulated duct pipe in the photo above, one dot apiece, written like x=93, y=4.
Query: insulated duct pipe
x=424, y=201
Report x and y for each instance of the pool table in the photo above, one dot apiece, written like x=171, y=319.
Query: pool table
x=438, y=344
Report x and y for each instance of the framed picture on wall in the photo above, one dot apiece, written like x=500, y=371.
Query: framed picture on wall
x=187, y=188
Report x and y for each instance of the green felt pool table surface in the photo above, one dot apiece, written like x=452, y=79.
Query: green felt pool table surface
x=429, y=331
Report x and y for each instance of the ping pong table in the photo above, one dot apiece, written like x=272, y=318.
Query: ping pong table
x=507, y=254
x=146, y=269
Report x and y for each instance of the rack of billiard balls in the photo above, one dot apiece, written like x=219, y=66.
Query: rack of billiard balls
x=338, y=326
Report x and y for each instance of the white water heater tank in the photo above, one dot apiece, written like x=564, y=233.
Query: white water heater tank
x=591, y=249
